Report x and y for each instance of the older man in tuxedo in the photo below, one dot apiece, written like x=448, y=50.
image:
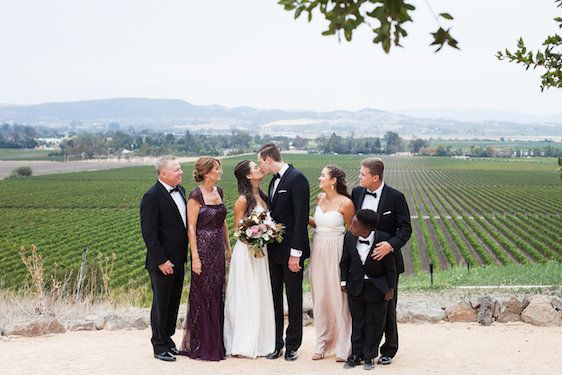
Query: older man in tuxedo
x=394, y=219
x=163, y=216
x=289, y=196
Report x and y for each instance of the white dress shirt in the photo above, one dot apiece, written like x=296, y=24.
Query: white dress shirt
x=178, y=199
x=276, y=182
x=364, y=250
x=371, y=202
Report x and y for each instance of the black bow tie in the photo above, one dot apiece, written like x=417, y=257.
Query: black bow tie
x=276, y=176
x=367, y=192
x=365, y=242
x=174, y=189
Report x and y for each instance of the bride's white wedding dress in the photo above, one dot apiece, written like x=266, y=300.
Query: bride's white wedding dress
x=249, y=322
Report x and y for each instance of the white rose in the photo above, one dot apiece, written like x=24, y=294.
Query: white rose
x=248, y=233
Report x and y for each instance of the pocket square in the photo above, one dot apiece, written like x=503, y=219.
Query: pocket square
x=282, y=191
x=386, y=213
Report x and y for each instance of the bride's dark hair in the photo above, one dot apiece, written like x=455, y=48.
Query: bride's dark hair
x=241, y=171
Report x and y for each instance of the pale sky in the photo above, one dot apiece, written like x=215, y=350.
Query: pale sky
x=252, y=53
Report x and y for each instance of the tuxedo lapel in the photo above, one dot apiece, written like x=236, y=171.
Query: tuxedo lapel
x=382, y=200
x=361, y=198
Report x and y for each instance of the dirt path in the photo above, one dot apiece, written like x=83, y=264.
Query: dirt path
x=445, y=348
x=43, y=167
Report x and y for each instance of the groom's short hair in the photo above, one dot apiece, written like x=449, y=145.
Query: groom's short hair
x=271, y=150
x=162, y=161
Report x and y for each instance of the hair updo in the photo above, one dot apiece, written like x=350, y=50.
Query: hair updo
x=339, y=174
x=204, y=165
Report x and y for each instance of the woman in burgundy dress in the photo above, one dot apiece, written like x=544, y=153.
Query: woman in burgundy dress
x=208, y=239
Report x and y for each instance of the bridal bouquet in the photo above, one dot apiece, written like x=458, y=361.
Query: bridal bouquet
x=257, y=230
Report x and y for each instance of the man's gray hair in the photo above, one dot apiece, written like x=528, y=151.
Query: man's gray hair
x=162, y=162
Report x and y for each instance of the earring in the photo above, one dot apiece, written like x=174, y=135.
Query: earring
x=332, y=186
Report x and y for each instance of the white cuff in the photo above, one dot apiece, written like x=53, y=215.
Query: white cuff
x=342, y=283
x=296, y=253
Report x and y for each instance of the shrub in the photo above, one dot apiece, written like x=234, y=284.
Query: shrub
x=22, y=172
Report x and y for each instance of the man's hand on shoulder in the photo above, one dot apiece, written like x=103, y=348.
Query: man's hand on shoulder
x=381, y=250
x=167, y=268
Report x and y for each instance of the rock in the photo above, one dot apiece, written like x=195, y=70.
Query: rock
x=37, y=328
x=540, y=312
x=486, y=311
x=557, y=303
x=114, y=323
x=461, y=312
x=81, y=326
x=497, y=307
x=510, y=310
x=92, y=318
x=99, y=323
x=475, y=303
x=306, y=320
x=139, y=323
x=418, y=312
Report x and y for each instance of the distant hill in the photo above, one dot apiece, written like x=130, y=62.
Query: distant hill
x=178, y=115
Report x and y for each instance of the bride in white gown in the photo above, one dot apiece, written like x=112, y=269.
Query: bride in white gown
x=249, y=322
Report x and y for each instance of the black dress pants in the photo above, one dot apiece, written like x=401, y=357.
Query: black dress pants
x=368, y=317
x=166, y=290
x=281, y=274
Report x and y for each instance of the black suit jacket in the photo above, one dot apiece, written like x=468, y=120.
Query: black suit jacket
x=394, y=218
x=162, y=227
x=290, y=206
x=381, y=273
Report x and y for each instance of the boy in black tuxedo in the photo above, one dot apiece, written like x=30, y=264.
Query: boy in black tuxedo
x=369, y=284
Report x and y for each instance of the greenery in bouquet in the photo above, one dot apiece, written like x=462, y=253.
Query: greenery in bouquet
x=257, y=230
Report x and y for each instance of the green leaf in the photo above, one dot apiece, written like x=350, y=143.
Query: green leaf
x=447, y=16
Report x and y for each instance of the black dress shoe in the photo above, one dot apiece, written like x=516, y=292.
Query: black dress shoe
x=274, y=354
x=291, y=355
x=352, y=361
x=369, y=364
x=165, y=356
x=174, y=351
x=384, y=360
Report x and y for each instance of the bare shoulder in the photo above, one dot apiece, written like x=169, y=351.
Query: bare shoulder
x=346, y=202
x=241, y=202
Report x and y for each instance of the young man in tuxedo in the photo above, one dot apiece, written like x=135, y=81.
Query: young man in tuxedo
x=163, y=216
x=369, y=284
x=288, y=200
x=394, y=219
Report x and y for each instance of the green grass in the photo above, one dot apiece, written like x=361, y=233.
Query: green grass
x=23, y=154
x=64, y=213
x=549, y=273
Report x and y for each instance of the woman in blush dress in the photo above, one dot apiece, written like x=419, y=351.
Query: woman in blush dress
x=208, y=239
x=332, y=320
x=249, y=327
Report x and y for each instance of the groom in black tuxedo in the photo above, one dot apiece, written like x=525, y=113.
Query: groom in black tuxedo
x=163, y=216
x=288, y=200
x=394, y=219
